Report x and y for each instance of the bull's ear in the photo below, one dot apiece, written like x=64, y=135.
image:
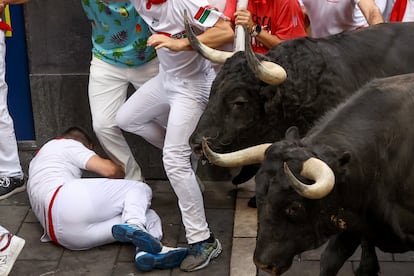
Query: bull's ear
x=344, y=159
x=292, y=133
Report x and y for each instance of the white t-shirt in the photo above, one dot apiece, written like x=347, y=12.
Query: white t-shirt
x=383, y=5
x=409, y=12
x=58, y=161
x=168, y=19
x=329, y=17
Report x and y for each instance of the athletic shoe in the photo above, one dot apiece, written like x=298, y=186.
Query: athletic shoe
x=10, y=186
x=9, y=253
x=137, y=235
x=200, y=254
x=168, y=258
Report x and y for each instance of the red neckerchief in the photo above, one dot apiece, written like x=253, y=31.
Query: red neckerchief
x=398, y=11
x=155, y=2
x=4, y=26
x=260, y=2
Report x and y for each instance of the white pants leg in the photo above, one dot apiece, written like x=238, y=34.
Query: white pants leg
x=108, y=85
x=140, y=112
x=85, y=210
x=9, y=156
x=185, y=100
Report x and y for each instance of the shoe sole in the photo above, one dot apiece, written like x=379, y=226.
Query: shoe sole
x=141, y=239
x=170, y=260
x=15, y=191
x=216, y=252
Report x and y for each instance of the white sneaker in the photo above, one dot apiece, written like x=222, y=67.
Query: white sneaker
x=9, y=253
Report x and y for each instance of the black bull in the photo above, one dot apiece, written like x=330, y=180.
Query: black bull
x=350, y=180
x=244, y=111
x=368, y=143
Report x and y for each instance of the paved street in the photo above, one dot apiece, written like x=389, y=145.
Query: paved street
x=229, y=217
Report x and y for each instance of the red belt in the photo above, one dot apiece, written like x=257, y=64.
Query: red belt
x=49, y=216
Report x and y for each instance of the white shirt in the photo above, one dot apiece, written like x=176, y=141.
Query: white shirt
x=329, y=17
x=409, y=12
x=58, y=161
x=168, y=18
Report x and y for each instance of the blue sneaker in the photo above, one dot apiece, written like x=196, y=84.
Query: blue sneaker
x=138, y=236
x=168, y=258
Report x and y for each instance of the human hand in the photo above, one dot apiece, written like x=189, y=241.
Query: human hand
x=3, y=4
x=159, y=41
x=243, y=17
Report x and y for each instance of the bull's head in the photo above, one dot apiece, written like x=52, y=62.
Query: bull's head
x=289, y=186
x=237, y=110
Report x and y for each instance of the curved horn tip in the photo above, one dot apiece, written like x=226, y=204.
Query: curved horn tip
x=317, y=170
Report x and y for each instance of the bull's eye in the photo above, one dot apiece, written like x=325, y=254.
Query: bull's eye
x=295, y=210
x=239, y=102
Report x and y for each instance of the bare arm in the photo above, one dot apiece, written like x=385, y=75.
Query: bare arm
x=371, y=11
x=104, y=167
x=4, y=3
x=243, y=17
x=216, y=36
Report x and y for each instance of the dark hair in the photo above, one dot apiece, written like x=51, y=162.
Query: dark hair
x=78, y=134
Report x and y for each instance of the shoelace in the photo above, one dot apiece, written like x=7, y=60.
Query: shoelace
x=4, y=181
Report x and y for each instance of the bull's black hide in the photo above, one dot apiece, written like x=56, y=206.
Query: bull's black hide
x=244, y=111
x=368, y=142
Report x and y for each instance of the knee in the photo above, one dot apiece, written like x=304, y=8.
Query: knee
x=140, y=189
x=123, y=120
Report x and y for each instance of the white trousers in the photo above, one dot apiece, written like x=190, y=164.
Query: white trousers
x=183, y=100
x=85, y=210
x=9, y=156
x=108, y=86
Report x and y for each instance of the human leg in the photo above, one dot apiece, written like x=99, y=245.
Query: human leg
x=85, y=210
x=188, y=99
x=10, y=248
x=141, y=112
x=11, y=174
x=108, y=87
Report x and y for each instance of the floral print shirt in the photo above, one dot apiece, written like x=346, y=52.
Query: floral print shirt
x=119, y=34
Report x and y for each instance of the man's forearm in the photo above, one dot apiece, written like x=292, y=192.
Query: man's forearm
x=218, y=35
x=14, y=1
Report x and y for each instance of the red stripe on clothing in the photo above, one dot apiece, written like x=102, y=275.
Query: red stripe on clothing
x=49, y=216
x=9, y=237
x=199, y=13
x=163, y=33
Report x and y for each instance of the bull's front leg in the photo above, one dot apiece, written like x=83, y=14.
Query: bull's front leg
x=338, y=250
x=369, y=262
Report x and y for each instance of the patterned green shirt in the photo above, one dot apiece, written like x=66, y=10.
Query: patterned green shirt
x=119, y=35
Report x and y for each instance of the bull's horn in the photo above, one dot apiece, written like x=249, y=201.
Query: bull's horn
x=211, y=54
x=269, y=72
x=248, y=156
x=317, y=170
